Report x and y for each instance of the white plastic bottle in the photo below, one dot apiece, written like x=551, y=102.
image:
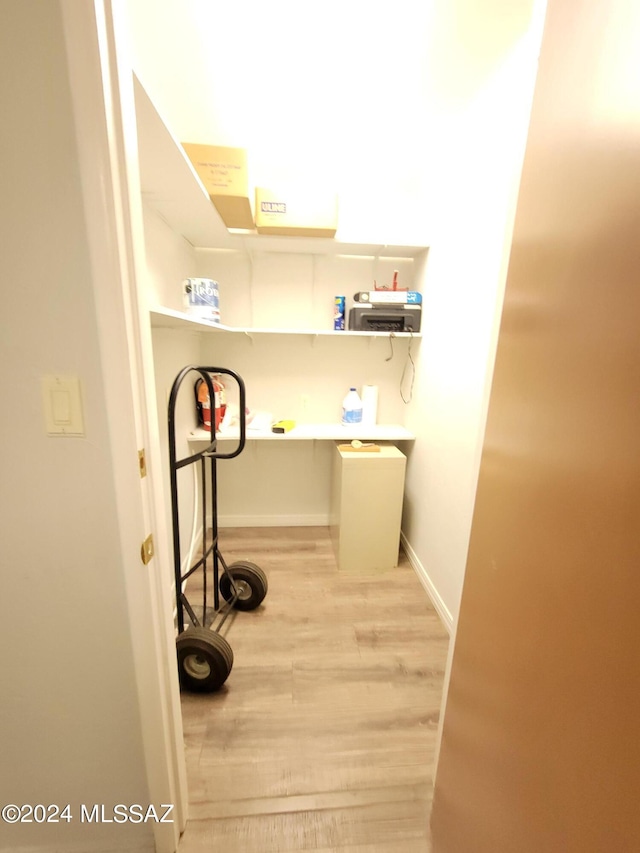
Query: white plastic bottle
x=352, y=408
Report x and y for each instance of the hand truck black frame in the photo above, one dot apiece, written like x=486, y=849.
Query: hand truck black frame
x=205, y=657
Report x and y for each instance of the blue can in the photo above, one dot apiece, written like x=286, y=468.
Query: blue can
x=339, y=304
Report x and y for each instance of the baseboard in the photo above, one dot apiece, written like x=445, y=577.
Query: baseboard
x=273, y=520
x=104, y=846
x=441, y=608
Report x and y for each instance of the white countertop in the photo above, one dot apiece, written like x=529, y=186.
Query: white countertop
x=323, y=432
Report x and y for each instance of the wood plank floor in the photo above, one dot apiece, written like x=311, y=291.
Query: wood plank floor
x=322, y=739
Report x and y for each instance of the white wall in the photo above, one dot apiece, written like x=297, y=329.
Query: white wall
x=170, y=259
x=71, y=731
x=289, y=483
x=300, y=377
x=282, y=370
x=289, y=290
x=482, y=87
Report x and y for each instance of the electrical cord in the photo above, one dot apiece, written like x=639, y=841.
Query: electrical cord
x=391, y=337
x=409, y=360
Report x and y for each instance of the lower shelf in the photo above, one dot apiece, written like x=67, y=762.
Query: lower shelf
x=313, y=432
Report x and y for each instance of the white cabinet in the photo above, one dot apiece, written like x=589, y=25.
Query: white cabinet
x=366, y=508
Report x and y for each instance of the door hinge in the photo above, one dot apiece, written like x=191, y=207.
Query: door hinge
x=146, y=551
x=142, y=462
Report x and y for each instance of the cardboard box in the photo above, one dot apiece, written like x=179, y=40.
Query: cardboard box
x=297, y=212
x=225, y=176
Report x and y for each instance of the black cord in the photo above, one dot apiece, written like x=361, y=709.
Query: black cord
x=413, y=372
x=391, y=337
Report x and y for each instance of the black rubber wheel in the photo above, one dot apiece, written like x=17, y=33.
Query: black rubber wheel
x=204, y=660
x=250, y=582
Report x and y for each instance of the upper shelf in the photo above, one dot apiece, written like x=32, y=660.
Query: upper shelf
x=167, y=318
x=171, y=186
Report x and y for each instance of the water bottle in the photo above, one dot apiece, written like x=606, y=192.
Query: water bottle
x=351, y=408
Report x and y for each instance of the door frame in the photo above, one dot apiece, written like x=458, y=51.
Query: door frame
x=101, y=81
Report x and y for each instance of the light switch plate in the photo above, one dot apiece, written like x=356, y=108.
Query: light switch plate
x=62, y=406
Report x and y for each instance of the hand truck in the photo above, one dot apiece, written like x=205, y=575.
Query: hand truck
x=205, y=657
